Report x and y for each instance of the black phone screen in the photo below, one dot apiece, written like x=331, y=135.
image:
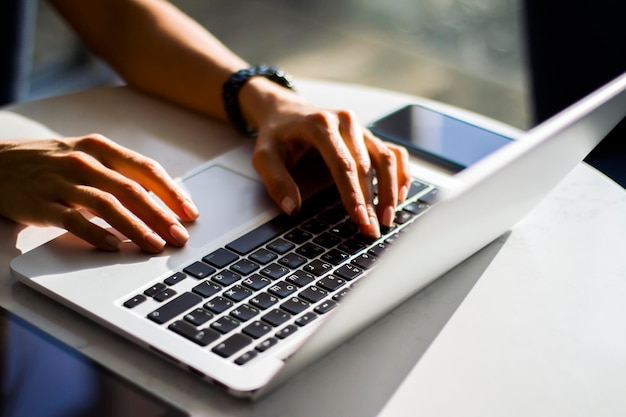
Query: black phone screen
x=442, y=139
x=41, y=376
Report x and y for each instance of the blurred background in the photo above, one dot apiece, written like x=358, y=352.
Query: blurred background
x=468, y=53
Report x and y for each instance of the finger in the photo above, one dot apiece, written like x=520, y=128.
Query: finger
x=109, y=208
x=353, y=136
x=280, y=185
x=141, y=169
x=384, y=160
x=74, y=222
x=84, y=169
x=139, y=202
x=343, y=168
x=403, y=170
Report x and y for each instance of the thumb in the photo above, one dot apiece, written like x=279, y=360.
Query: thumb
x=279, y=183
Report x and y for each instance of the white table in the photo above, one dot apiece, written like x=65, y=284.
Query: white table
x=340, y=384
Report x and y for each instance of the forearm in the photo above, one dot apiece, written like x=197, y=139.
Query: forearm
x=156, y=48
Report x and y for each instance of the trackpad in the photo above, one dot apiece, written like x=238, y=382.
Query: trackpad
x=226, y=201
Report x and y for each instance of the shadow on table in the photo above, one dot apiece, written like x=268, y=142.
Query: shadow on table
x=362, y=374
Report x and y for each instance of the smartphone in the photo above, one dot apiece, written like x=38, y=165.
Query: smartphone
x=41, y=376
x=446, y=141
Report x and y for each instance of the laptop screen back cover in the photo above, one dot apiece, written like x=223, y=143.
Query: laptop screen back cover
x=493, y=195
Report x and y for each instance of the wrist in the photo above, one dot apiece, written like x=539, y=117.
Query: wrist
x=250, y=94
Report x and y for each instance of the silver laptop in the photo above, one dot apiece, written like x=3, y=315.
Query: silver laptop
x=255, y=296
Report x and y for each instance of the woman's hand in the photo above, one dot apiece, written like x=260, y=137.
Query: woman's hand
x=289, y=127
x=47, y=182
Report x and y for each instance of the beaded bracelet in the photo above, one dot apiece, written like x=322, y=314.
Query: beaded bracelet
x=230, y=91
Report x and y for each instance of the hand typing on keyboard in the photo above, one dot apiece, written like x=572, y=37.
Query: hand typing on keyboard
x=288, y=126
x=193, y=71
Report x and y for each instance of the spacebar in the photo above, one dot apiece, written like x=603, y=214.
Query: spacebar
x=262, y=234
x=175, y=307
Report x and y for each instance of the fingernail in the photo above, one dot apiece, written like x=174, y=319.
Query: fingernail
x=404, y=191
x=179, y=234
x=155, y=241
x=362, y=216
x=288, y=205
x=374, y=227
x=388, y=216
x=113, y=242
x=190, y=209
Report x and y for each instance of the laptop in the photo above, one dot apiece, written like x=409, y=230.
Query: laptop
x=256, y=296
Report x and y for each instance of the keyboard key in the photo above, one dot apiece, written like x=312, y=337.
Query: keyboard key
x=391, y=238
x=365, y=261
x=330, y=283
x=263, y=256
x=276, y=317
x=206, y=289
x=275, y=271
x=313, y=294
x=341, y=294
x=294, y=306
x=244, y=266
x=310, y=250
x=317, y=267
x=384, y=230
x=218, y=305
x=237, y=293
x=175, y=307
x=415, y=188
x=345, y=230
x=348, y=271
x=292, y=260
x=430, y=197
x=416, y=207
x=257, y=329
x=286, y=331
x=225, y=324
x=201, y=337
x=266, y=344
x=298, y=236
x=220, y=258
x=175, y=279
x=246, y=357
x=155, y=289
x=232, y=345
x=282, y=289
x=225, y=277
x=198, y=317
x=244, y=312
x=263, y=300
x=314, y=226
x=135, y=301
x=306, y=319
x=335, y=257
x=327, y=240
x=325, y=307
x=165, y=295
x=378, y=249
x=403, y=216
x=261, y=235
x=351, y=246
x=256, y=282
x=281, y=246
x=199, y=270
x=300, y=278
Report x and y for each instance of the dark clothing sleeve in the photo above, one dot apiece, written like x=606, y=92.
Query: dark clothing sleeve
x=573, y=48
x=15, y=48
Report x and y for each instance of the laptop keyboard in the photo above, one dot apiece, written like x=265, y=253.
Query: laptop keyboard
x=265, y=285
